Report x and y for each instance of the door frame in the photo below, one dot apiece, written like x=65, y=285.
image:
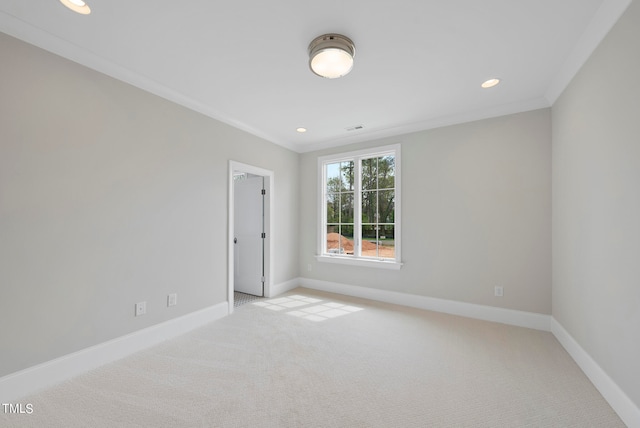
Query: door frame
x=268, y=227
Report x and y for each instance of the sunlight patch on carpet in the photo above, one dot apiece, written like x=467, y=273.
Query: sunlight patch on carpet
x=308, y=308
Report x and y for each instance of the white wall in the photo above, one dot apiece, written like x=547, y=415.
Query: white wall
x=596, y=205
x=110, y=196
x=476, y=213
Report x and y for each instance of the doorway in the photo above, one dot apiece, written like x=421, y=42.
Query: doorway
x=249, y=232
x=248, y=235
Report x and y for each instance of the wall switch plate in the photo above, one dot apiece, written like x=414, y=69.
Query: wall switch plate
x=309, y=267
x=172, y=299
x=141, y=308
x=498, y=291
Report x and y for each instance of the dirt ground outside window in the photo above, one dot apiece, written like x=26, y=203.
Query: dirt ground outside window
x=336, y=241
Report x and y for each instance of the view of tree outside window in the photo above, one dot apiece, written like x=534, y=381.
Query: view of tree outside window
x=367, y=212
x=340, y=207
x=378, y=207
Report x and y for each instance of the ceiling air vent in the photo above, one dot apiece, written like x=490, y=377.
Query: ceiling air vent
x=354, y=128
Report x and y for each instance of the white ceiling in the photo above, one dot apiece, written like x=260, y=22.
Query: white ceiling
x=419, y=63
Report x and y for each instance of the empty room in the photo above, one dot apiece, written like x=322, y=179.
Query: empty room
x=338, y=214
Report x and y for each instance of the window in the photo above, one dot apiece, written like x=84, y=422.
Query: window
x=360, y=208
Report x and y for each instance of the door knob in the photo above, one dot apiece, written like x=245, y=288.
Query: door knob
x=235, y=240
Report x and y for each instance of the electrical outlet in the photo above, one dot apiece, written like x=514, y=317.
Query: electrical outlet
x=172, y=299
x=499, y=291
x=309, y=267
x=141, y=308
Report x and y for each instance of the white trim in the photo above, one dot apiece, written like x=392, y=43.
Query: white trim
x=470, y=310
x=283, y=287
x=373, y=263
x=357, y=156
x=617, y=399
x=269, y=226
x=35, y=36
x=44, y=40
x=369, y=153
x=32, y=379
x=431, y=123
x=601, y=23
x=606, y=16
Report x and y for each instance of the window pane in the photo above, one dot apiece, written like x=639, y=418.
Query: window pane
x=370, y=241
x=386, y=172
x=369, y=174
x=346, y=169
x=369, y=232
x=386, y=241
x=333, y=177
x=333, y=207
x=346, y=208
x=386, y=206
x=346, y=230
x=339, y=176
x=378, y=241
x=369, y=206
x=333, y=240
x=339, y=239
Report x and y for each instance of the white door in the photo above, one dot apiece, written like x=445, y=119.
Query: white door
x=248, y=235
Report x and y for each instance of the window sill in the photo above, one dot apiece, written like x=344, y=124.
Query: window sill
x=373, y=263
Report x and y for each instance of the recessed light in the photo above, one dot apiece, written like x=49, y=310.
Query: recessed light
x=490, y=83
x=77, y=6
x=301, y=130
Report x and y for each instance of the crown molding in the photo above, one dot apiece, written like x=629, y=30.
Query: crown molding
x=436, y=122
x=601, y=23
x=35, y=36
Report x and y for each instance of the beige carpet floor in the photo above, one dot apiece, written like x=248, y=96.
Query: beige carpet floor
x=311, y=359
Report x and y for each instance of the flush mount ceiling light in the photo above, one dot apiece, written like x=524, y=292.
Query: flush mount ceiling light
x=490, y=83
x=331, y=55
x=301, y=130
x=77, y=6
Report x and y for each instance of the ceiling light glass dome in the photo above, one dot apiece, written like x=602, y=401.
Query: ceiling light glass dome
x=331, y=55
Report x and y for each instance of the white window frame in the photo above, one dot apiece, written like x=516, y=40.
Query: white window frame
x=356, y=157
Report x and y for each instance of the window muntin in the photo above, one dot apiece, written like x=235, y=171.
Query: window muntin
x=360, y=195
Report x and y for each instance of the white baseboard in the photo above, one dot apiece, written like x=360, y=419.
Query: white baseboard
x=617, y=399
x=32, y=379
x=469, y=310
x=284, y=287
